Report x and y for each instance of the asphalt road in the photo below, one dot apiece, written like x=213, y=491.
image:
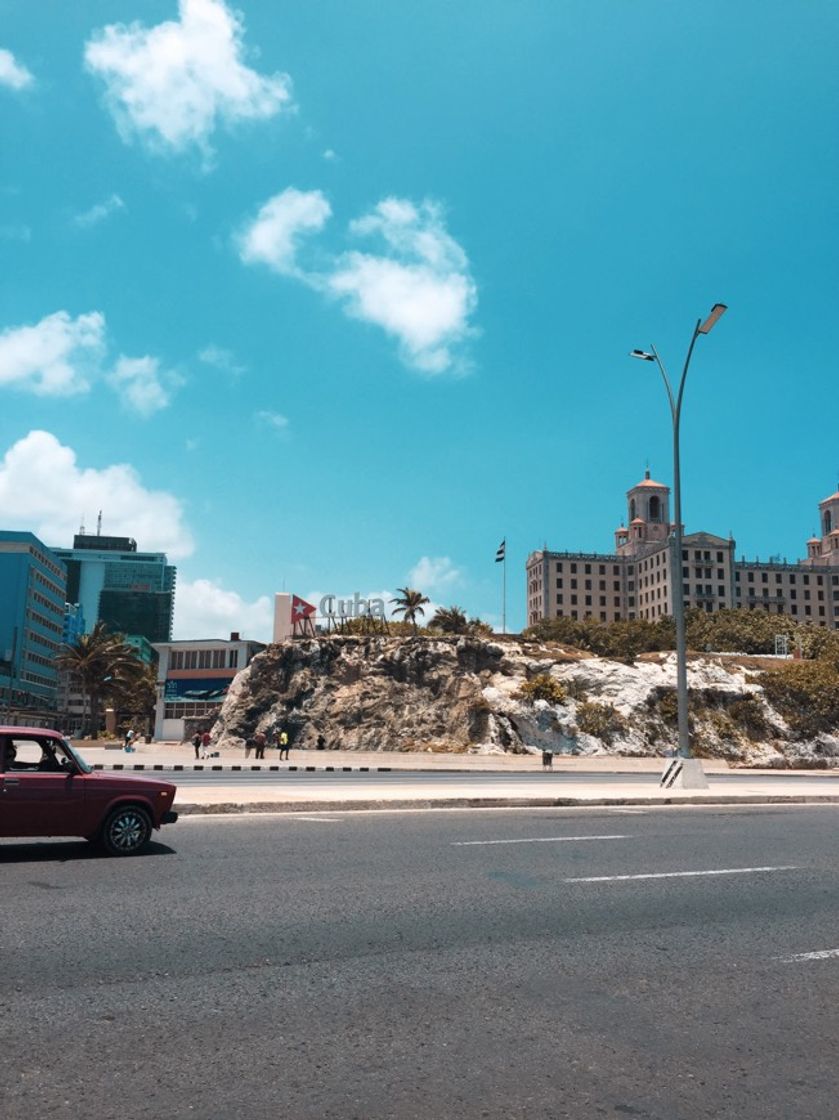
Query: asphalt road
x=497, y=964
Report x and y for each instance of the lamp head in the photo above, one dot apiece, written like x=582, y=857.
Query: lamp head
x=642, y=355
x=718, y=310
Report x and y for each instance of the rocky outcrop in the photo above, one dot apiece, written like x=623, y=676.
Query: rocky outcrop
x=465, y=694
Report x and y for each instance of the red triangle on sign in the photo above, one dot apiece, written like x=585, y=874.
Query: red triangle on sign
x=300, y=608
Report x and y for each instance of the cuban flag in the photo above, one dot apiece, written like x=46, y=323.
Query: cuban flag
x=502, y=551
x=300, y=609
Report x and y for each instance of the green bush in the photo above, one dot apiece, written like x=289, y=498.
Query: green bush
x=603, y=721
x=806, y=693
x=544, y=687
x=747, y=713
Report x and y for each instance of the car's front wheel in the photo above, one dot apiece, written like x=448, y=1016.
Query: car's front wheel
x=125, y=831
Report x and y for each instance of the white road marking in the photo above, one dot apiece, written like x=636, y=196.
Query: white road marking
x=821, y=955
x=532, y=840
x=677, y=874
x=287, y=814
x=319, y=820
x=630, y=812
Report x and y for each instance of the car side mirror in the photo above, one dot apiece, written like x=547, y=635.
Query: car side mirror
x=67, y=766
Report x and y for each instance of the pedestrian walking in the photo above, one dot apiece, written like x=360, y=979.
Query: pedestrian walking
x=320, y=745
x=547, y=760
x=129, y=741
x=260, y=742
x=205, y=744
x=282, y=743
x=196, y=743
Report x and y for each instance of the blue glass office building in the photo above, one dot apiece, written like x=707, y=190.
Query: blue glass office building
x=33, y=584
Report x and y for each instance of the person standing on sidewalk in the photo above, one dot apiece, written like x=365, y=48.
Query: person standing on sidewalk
x=205, y=744
x=282, y=743
x=547, y=760
x=260, y=742
x=196, y=743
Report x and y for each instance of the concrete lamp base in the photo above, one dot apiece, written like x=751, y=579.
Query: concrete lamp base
x=683, y=773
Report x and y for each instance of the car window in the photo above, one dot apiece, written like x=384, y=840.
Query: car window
x=31, y=754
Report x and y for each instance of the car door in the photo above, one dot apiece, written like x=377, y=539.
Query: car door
x=39, y=801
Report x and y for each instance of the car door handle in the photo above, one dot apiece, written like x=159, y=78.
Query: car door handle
x=12, y=781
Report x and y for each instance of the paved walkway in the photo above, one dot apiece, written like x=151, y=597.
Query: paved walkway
x=309, y=786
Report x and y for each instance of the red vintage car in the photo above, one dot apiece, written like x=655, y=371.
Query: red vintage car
x=47, y=789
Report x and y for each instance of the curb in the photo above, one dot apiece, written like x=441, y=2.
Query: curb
x=181, y=766
x=187, y=809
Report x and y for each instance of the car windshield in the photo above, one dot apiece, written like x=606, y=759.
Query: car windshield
x=71, y=751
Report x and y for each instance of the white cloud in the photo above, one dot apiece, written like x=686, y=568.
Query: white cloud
x=55, y=357
x=272, y=237
x=274, y=420
x=222, y=359
x=173, y=83
x=329, y=155
x=99, y=212
x=142, y=385
x=421, y=291
x=13, y=74
x=204, y=609
x=44, y=490
x=435, y=573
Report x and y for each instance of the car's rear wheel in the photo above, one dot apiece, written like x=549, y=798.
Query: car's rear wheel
x=126, y=830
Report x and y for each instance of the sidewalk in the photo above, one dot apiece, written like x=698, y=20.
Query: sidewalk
x=588, y=781
x=149, y=755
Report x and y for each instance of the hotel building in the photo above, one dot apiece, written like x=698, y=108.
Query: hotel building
x=636, y=580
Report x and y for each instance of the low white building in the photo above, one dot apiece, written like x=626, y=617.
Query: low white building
x=193, y=678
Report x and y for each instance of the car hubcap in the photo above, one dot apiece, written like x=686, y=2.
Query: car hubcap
x=127, y=831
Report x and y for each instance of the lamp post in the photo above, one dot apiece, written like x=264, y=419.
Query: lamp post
x=678, y=587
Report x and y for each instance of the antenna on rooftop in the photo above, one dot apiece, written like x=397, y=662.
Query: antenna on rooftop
x=99, y=524
x=81, y=527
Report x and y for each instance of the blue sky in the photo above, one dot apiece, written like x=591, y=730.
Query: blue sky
x=333, y=296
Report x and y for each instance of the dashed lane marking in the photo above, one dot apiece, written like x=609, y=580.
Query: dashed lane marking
x=533, y=840
x=678, y=874
x=819, y=955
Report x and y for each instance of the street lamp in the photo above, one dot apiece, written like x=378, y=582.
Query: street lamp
x=678, y=589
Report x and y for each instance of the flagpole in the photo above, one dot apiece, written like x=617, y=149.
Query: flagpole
x=504, y=594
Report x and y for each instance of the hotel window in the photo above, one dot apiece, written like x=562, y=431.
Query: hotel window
x=588, y=569
x=602, y=616
x=602, y=586
x=751, y=577
x=807, y=610
x=574, y=614
x=792, y=593
x=588, y=585
x=602, y=600
x=588, y=600
x=559, y=583
x=573, y=584
x=574, y=602
x=616, y=585
x=721, y=592
x=764, y=577
x=573, y=567
x=559, y=600
x=821, y=610
x=233, y=659
x=719, y=558
x=615, y=570
x=794, y=609
x=602, y=570
x=617, y=603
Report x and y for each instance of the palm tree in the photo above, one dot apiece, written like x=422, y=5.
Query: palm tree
x=410, y=604
x=99, y=663
x=451, y=620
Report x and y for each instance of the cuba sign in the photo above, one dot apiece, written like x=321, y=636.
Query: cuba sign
x=358, y=607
